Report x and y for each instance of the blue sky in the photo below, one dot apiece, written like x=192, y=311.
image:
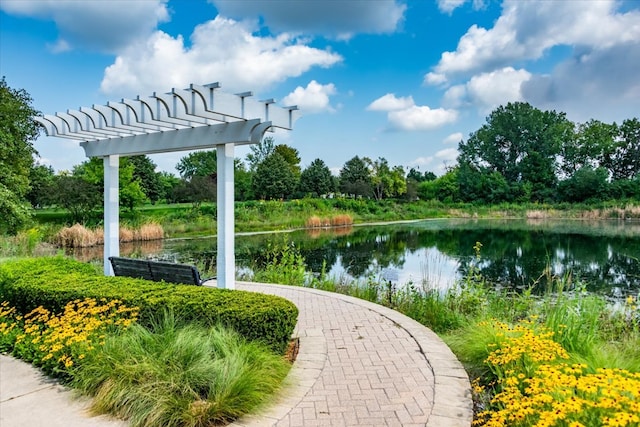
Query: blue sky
x=403, y=80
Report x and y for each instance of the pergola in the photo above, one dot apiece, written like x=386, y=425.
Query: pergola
x=199, y=117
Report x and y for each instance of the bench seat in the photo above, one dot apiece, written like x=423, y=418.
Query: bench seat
x=158, y=271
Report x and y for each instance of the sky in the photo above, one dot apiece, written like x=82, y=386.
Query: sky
x=404, y=80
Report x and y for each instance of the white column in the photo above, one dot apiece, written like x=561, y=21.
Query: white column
x=111, y=211
x=226, y=268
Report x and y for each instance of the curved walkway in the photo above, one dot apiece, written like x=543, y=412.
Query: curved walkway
x=362, y=364
x=359, y=364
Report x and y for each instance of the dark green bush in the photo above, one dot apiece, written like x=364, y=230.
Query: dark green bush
x=53, y=282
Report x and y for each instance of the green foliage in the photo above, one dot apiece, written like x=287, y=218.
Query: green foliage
x=131, y=194
x=274, y=179
x=18, y=131
x=41, y=180
x=585, y=184
x=78, y=196
x=282, y=264
x=316, y=180
x=445, y=188
x=259, y=152
x=52, y=282
x=386, y=182
x=177, y=374
x=243, y=182
x=199, y=163
x=291, y=156
x=144, y=171
x=355, y=178
x=15, y=213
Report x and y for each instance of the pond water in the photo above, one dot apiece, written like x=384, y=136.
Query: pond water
x=604, y=255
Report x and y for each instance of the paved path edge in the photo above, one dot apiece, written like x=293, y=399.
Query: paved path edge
x=452, y=405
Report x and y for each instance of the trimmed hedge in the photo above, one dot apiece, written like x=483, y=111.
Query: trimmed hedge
x=55, y=281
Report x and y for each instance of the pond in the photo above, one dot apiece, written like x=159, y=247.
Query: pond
x=604, y=255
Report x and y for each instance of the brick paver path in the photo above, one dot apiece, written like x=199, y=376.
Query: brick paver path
x=361, y=364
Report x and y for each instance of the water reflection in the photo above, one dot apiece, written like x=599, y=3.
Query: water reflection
x=515, y=253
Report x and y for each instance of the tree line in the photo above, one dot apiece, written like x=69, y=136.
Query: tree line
x=521, y=154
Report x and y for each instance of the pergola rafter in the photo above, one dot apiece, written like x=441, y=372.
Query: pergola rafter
x=199, y=117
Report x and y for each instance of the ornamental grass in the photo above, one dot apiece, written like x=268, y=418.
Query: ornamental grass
x=178, y=375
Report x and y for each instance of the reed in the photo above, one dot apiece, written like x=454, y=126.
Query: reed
x=76, y=236
x=151, y=231
x=126, y=234
x=341, y=220
x=313, y=222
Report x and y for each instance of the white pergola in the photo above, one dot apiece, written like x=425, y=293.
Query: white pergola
x=199, y=117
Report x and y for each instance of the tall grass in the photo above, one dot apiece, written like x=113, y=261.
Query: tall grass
x=180, y=375
x=79, y=236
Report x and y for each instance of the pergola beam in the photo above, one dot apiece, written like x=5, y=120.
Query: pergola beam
x=197, y=138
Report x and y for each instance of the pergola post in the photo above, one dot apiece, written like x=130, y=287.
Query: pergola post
x=226, y=263
x=111, y=211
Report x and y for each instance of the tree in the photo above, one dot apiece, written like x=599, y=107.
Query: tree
x=418, y=177
x=201, y=163
x=355, y=178
x=625, y=158
x=444, y=188
x=131, y=194
x=168, y=182
x=521, y=143
x=243, y=187
x=291, y=156
x=18, y=131
x=144, y=170
x=386, y=182
x=482, y=185
x=77, y=195
x=259, y=152
x=585, y=184
x=591, y=147
x=197, y=190
x=274, y=179
x=316, y=180
x=41, y=181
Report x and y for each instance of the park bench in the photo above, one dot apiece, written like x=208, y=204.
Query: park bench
x=157, y=271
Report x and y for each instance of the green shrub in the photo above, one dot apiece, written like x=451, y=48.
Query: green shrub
x=55, y=281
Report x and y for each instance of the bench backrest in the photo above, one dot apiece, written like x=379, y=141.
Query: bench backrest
x=156, y=270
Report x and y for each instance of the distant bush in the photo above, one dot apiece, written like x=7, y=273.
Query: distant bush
x=55, y=281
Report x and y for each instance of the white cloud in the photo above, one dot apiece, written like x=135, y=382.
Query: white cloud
x=419, y=118
x=403, y=114
x=438, y=163
x=94, y=24
x=454, y=138
x=340, y=19
x=221, y=50
x=435, y=79
x=487, y=91
x=527, y=29
x=59, y=46
x=389, y=102
x=448, y=6
x=312, y=99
